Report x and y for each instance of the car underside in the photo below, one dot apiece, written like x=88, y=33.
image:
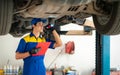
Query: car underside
x=15, y=15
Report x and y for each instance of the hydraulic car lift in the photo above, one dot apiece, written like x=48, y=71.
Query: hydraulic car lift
x=102, y=54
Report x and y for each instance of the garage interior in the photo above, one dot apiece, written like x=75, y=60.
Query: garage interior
x=88, y=50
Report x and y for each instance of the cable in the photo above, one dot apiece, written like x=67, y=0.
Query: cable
x=55, y=58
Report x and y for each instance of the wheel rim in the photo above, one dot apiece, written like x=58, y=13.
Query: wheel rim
x=103, y=20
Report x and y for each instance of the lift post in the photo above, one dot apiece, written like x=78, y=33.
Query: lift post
x=102, y=54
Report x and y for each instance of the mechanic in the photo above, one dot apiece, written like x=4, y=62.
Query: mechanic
x=34, y=65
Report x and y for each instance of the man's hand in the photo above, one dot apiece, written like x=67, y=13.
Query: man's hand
x=34, y=51
x=49, y=27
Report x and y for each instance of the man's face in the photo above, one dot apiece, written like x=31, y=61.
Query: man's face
x=38, y=27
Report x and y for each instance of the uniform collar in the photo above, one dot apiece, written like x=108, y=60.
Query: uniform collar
x=31, y=34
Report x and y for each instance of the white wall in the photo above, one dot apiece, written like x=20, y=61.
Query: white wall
x=83, y=60
x=115, y=51
x=8, y=45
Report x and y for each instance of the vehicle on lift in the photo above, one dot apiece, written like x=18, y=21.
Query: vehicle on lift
x=15, y=15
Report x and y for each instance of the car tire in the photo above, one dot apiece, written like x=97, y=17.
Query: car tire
x=109, y=24
x=6, y=13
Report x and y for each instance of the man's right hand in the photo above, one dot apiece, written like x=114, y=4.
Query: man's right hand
x=50, y=27
x=34, y=51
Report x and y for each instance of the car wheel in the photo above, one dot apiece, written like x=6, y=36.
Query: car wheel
x=109, y=24
x=6, y=13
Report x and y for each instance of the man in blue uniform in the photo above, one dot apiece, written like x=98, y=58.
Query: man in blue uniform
x=28, y=47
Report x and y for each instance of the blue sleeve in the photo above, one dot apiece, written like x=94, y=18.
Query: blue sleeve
x=21, y=46
x=52, y=43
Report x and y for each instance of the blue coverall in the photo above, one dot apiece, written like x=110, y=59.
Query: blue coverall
x=33, y=65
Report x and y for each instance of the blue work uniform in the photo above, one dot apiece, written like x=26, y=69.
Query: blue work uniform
x=33, y=65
